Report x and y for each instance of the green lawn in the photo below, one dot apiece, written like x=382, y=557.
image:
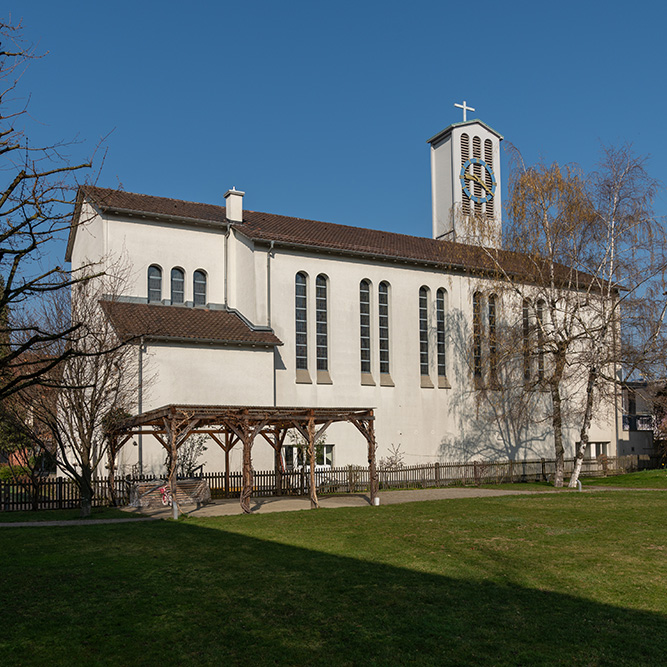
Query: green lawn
x=519, y=580
x=647, y=479
x=65, y=515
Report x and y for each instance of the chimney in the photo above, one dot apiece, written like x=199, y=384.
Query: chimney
x=234, y=204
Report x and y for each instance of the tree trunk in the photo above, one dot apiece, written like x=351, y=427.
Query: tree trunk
x=557, y=422
x=35, y=488
x=112, y=475
x=585, y=426
x=86, y=491
x=557, y=415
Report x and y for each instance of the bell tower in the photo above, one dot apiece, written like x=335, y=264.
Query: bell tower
x=465, y=183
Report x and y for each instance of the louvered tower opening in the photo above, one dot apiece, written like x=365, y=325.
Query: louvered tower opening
x=488, y=158
x=465, y=155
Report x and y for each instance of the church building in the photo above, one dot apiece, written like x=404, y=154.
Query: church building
x=230, y=306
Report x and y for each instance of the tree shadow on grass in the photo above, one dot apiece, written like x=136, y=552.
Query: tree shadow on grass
x=178, y=593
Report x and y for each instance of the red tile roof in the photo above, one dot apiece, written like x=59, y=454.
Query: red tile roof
x=328, y=236
x=133, y=320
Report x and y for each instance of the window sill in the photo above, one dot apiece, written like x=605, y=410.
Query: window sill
x=367, y=380
x=443, y=382
x=323, y=377
x=426, y=382
x=303, y=376
x=385, y=380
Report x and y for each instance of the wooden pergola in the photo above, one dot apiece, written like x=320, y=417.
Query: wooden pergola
x=228, y=425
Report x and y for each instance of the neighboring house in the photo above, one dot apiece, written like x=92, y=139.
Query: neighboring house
x=239, y=307
x=639, y=420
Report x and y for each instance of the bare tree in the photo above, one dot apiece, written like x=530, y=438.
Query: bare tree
x=37, y=193
x=593, y=252
x=97, y=384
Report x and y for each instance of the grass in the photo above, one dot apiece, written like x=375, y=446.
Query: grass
x=647, y=479
x=65, y=515
x=516, y=580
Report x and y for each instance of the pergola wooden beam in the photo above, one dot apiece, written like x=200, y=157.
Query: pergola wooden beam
x=171, y=425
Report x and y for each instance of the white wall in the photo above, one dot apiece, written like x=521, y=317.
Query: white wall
x=168, y=245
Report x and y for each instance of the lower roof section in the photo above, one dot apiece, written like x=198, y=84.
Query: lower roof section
x=184, y=324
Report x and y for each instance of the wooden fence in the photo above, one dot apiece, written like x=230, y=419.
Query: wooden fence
x=59, y=493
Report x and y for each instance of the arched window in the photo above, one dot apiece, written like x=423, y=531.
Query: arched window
x=477, y=337
x=199, y=287
x=321, y=320
x=525, y=322
x=440, y=306
x=154, y=284
x=383, y=322
x=539, y=313
x=493, y=341
x=365, y=325
x=423, y=331
x=177, y=286
x=301, y=319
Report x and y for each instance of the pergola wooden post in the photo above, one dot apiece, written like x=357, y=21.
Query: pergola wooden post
x=170, y=432
x=247, y=440
x=314, y=502
x=366, y=427
x=177, y=428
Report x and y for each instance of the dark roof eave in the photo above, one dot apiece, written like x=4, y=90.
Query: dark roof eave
x=206, y=341
x=183, y=220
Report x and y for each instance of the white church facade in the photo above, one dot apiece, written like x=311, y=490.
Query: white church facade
x=236, y=307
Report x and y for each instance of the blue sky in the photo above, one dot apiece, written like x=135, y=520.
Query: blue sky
x=322, y=110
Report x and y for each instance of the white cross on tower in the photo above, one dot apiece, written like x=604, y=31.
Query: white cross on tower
x=465, y=108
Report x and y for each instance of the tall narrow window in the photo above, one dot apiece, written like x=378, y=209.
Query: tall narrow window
x=440, y=301
x=177, y=286
x=383, y=305
x=365, y=325
x=154, y=284
x=321, y=323
x=199, y=288
x=300, y=314
x=525, y=323
x=493, y=341
x=540, y=339
x=423, y=331
x=477, y=337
